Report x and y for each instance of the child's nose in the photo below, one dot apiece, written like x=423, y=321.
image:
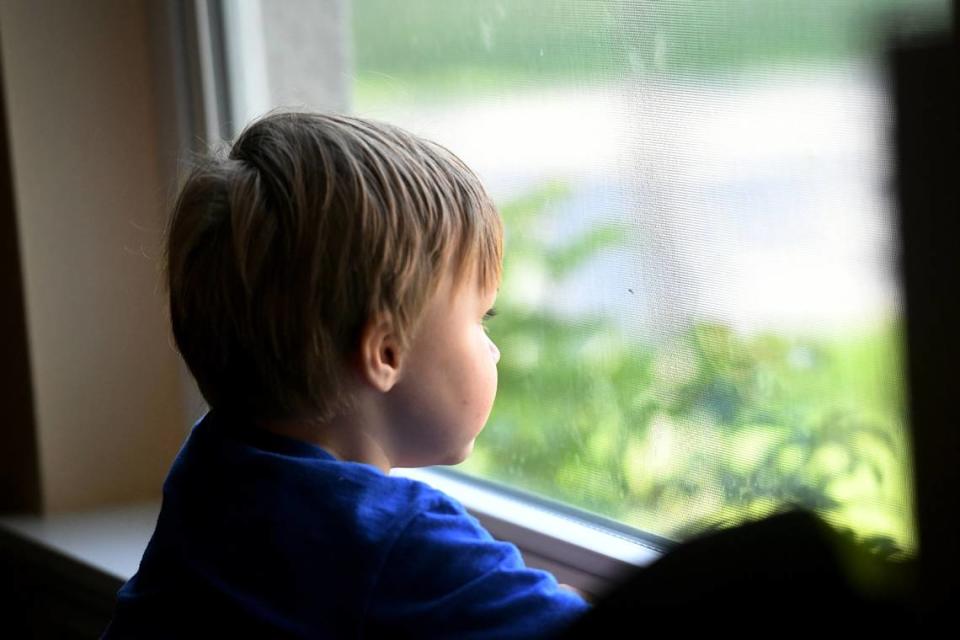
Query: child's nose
x=496, y=352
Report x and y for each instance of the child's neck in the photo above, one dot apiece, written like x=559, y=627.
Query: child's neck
x=342, y=437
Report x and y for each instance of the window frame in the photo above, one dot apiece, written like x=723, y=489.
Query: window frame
x=588, y=552
x=579, y=549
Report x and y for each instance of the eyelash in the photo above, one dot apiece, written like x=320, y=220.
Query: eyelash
x=490, y=314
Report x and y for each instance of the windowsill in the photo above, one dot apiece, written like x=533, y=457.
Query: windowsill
x=111, y=540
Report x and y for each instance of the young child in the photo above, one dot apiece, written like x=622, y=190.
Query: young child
x=328, y=282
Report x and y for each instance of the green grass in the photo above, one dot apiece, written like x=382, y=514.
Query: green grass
x=436, y=47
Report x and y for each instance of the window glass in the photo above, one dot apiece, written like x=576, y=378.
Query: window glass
x=700, y=318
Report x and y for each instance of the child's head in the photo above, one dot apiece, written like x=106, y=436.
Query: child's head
x=281, y=253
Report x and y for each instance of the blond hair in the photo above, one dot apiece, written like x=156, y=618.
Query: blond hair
x=278, y=253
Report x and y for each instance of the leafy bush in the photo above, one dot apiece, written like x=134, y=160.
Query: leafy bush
x=708, y=428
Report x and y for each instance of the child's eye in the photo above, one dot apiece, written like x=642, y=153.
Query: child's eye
x=489, y=314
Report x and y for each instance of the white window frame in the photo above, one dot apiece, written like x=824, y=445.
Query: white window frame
x=578, y=550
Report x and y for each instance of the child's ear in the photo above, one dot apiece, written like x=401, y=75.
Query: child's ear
x=379, y=355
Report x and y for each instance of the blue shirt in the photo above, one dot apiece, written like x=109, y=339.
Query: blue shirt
x=261, y=535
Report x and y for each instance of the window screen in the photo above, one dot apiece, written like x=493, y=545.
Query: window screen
x=700, y=320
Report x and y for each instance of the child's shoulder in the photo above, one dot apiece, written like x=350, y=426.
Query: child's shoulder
x=403, y=499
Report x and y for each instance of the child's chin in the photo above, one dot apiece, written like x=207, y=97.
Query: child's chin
x=460, y=456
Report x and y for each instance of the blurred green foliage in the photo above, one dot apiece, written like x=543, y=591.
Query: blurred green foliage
x=707, y=428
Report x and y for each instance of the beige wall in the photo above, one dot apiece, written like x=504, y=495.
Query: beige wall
x=83, y=123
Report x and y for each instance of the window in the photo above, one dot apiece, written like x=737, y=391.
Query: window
x=700, y=320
